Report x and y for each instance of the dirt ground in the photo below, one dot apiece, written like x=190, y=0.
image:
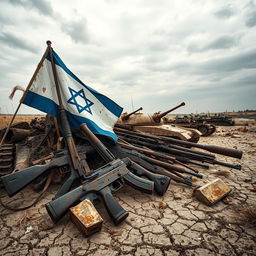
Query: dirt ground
x=5, y=119
x=184, y=227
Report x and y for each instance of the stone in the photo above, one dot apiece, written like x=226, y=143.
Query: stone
x=182, y=240
x=199, y=252
x=157, y=239
x=171, y=253
x=177, y=228
x=147, y=250
x=199, y=227
x=155, y=229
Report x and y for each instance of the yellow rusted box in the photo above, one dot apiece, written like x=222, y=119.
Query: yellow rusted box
x=212, y=192
x=86, y=218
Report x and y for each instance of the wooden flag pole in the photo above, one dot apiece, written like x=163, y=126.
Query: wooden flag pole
x=25, y=93
x=81, y=167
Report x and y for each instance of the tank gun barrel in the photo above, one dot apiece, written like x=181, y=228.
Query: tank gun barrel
x=157, y=117
x=126, y=117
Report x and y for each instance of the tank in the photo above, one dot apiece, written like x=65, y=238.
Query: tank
x=154, y=124
x=190, y=122
x=217, y=120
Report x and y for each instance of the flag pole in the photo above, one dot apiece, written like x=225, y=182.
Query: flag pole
x=25, y=93
x=81, y=167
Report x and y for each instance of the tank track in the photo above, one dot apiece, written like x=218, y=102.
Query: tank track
x=7, y=152
x=206, y=129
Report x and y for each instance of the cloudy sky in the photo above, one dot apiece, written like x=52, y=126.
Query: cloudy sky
x=153, y=54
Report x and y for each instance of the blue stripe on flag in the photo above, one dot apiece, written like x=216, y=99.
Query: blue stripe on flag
x=49, y=106
x=41, y=103
x=108, y=103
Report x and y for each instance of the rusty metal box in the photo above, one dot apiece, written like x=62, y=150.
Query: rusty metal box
x=86, y=218
x=212, y=192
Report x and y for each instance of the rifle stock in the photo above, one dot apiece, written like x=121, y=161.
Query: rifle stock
x=161, y=182
x=15, y=182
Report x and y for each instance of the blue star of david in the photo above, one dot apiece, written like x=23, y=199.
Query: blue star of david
x=72, y=100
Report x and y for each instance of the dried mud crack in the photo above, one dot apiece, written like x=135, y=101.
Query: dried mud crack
x=183, y=227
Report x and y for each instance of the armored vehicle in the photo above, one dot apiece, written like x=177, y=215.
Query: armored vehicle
x=217, y=120
x=191, y=122
x=154, y=124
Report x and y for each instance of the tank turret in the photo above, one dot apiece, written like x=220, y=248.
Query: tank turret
x=157, y=116
x=126, y=116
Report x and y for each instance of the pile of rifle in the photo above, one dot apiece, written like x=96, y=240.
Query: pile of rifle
x=159, y=154
x=146, y=162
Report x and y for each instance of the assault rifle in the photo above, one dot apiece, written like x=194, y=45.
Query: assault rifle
x=161, y=182
x=102, y=181
x=120, y=151
x=105, y=180
x=15, y=182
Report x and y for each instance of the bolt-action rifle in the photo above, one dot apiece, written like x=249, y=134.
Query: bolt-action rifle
x=160, y=146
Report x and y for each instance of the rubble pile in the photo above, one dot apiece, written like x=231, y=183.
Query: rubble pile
x=32, y=150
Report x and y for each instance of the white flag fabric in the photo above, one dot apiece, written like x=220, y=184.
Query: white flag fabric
x=82, y=103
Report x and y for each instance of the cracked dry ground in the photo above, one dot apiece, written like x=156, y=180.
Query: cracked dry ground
x=185, y=227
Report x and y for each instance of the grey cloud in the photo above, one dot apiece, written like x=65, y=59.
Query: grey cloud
x=250, y=14
x=245, y=60
x=126, y=76
x=15, y=42
x=222, y=42
x=77, y=30
x=225, y=12
x=240, y=61
x=158, y=46
x=239, y=93
x=251, y=19
x=42, y=6
x=5, y=20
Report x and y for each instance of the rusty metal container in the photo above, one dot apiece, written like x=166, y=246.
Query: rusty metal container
x=212, y=192
x=86, y=218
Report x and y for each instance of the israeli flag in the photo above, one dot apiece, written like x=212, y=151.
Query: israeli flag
x=82, y=103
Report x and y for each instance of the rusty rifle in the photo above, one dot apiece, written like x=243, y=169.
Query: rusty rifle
x=210, y=148
x=177, y=177
x=161, y=182
x=194, y=156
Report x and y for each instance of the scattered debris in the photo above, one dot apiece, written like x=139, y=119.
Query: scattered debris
x=227, y=200
x=163, y=205
x=223, y=173
x=246, y=214
x=28, y=229
x=212, y=192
